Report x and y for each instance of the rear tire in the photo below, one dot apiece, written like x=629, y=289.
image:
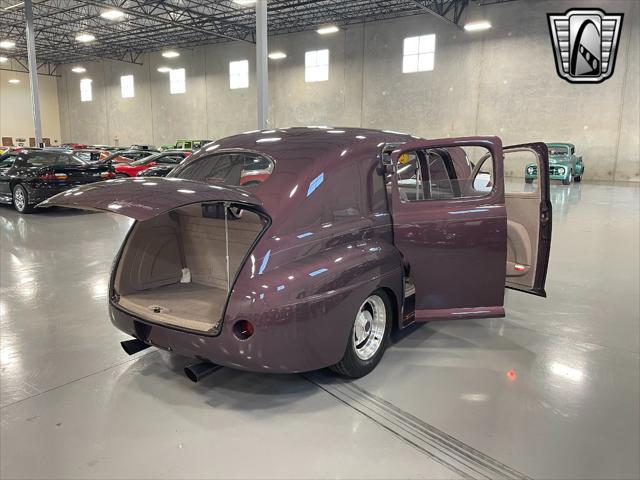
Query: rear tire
x=368, y=337
x=528, y=180
x=21, y=200
x=577, y=178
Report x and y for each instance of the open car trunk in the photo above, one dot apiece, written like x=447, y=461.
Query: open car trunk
x=181, y=257
x=173, y=269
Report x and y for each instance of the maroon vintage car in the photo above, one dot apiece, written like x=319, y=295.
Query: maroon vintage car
x=353, y=233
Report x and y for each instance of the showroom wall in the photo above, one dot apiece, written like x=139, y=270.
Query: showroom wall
x=498, y=82
x=16, y=120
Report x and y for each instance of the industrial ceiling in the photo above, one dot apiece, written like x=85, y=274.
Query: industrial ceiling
x=148, y=25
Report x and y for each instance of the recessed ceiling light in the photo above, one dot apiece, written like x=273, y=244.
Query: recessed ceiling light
x=78, y=69
x=3, y=59
x=170, y=54
x=112, y=14
x=164, y=69
x=7, y=44
x=14, y=80
x=85, y=37
x=476, y=26
x=327, y=29
x=245, y=2
x=277, y=55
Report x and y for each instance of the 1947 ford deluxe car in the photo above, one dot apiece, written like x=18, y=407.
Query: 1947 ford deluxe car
x=353, y=233
x=564, y=164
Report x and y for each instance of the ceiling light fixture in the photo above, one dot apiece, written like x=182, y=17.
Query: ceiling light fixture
x=170, y=54
x=277, y=55
x=14, y=81
x=327, y=29
x=7, y=44
x=78, y=69
x=245, y=3
x=164, y=69
x=85, y=37
x=3, y=59
x=112, y=14
x=477, y=26
x=19, y=4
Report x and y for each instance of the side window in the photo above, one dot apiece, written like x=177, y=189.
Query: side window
x=410, y=177
x=445, y=173
x=440, y=176
x=7, y=162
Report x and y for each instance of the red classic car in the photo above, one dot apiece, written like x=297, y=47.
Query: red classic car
x=173, y=157
x=353, y=233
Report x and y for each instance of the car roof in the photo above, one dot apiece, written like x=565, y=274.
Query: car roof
x=304, y=144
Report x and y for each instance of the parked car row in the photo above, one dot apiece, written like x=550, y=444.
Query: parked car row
x=29, y=176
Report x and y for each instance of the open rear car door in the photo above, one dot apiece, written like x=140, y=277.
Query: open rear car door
x=450, y=225
x=528, y=218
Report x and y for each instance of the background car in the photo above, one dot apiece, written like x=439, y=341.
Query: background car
x=28, y=176
x=164, y=165
x=564, y=164
x=168, y=158
x=127, y=156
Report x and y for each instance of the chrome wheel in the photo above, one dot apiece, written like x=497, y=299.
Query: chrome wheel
x=19, y=198
x=369, y=326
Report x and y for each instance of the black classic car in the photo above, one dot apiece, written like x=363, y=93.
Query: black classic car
x=28, y=177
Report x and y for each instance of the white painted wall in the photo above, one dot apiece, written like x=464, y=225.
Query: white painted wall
x=16, y=119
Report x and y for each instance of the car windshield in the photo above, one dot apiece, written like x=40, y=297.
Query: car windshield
x=240, y=169
x=38, y=159
x=558, y=150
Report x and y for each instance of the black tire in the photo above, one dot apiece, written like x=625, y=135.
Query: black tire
x=528, y=180
x=121, y=175
x=569, y=179
x=352, y=365
x=577, y=178
x=21, y=199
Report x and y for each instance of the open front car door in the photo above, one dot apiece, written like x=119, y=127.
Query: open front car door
x=528, y=218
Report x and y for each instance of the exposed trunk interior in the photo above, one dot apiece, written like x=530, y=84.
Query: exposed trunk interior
x=173, y=268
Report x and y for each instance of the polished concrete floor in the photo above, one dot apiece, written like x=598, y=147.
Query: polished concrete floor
x=551, y=391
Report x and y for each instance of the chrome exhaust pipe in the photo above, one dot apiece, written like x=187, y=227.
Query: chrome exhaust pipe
x=198, y=371
x=133, y=346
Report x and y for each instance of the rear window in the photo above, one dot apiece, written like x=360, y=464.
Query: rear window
x=238, y=169
x=44, y=159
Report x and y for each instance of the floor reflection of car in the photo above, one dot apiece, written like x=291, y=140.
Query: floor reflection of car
x=164, y=159
x=353, y=233
x=564, y=164
x=28, y=177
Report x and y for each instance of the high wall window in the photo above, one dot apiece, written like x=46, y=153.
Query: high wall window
x=86, y=94
x=177, y=81
x=239, y=74
x=126, y=85
x=419, y=54
x=316, y=66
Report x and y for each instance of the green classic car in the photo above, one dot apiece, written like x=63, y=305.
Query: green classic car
x=564, y=164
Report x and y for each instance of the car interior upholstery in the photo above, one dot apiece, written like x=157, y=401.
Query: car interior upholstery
x=173, y=267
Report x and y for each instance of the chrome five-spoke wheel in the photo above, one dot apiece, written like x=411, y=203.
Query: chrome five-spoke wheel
x=369, y=327
x=368, y=337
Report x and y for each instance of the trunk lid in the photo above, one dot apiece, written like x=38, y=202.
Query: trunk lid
x=145, y=198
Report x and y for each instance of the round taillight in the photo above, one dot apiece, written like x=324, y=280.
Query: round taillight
x=243, y=329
